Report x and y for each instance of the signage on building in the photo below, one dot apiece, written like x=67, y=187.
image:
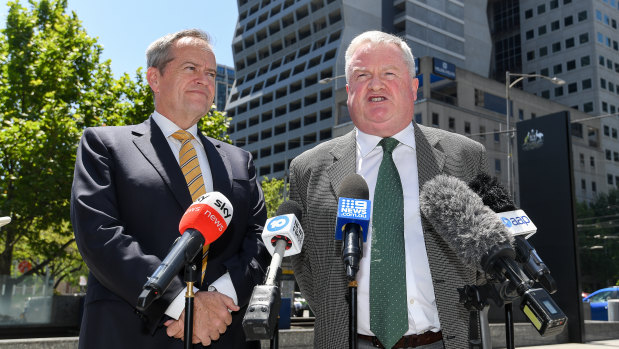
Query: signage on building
x=443, y=68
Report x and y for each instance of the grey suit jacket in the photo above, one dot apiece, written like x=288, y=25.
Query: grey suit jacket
x=315, y=177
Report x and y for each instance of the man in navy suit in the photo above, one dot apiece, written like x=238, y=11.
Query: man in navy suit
x=128, y=197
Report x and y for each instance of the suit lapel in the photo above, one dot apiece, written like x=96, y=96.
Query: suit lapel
x=344, y=154
x=152, y=144
x=430, y=160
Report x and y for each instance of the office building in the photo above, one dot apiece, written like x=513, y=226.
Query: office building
x=224, y=80
x=283, y=49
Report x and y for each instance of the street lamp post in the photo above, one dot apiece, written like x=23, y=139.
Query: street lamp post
x=508, y=85
x=328, y=80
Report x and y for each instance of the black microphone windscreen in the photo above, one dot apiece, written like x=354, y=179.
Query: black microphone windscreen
x=355, y=187
x=492, y=193
x=288, y=207
x=459, y=216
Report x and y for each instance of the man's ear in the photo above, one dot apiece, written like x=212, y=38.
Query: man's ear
x=152, y=76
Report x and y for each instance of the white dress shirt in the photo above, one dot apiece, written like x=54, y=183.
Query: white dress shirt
x=422, y=311
x=224, y=283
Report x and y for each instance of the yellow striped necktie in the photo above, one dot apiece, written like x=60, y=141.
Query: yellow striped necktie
x=188, y=160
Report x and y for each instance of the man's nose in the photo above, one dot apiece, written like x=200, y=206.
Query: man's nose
x=376, y=83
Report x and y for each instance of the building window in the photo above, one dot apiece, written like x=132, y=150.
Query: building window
x=541, y=9
x=435, y=119
x=451, y=122
x=571, y=88
x=520, y=114
x=557, y=69
x=592, y=161
x=530, y=55
x=606, y=130
x=603, y=83
x=605, y=107
x=583, y=38
x=418, y=118
x=614, y=133
x=583, y=184
x=586, y=84
x=567, y=21
x=467, y=127
x=497, y=136
x=482, y=133
x=582, y=16
x=543, y=51
x=609, y=179
x=528, y=13
x=529, y=34
x=569, y=43
x=541, y=30
x=585, y=61
x=554, y=4
x=555, y=25
x=587, y=107
x=497, y=165
x=593, y=187
x=559, y=91
x=545, y=94
x=556, y=47
x=570, y=65
x=581, y=157
x=608, y=155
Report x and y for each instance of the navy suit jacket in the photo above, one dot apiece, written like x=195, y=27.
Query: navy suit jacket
x=128, y=197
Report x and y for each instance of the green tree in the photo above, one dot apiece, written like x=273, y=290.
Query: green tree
x=275, y=191
x=598, y=235
x=51, y=83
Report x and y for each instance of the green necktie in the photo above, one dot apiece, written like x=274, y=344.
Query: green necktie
x=388, y=306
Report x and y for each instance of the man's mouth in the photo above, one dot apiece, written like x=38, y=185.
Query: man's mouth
x=377, y=99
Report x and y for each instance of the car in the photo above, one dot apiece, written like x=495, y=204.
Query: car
x=300, y=305
x=599, y=302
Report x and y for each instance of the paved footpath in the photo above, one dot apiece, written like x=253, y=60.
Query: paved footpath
x=609, y=344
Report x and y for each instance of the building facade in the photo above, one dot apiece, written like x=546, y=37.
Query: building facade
x=224, y=80
x=281, y=106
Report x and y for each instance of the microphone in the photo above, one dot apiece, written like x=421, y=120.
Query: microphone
x=518, y=224
x=353, y=219
x=203, y=222
x=283, y=236
x=479, y=239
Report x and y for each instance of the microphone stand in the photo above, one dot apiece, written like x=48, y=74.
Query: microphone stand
x=509, y=326
x=352, y=325
x=191, y=277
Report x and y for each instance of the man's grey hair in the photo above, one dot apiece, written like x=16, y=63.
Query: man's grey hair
x=378, y=37
x=159, y=53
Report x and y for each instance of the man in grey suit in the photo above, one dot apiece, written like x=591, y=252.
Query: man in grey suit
x=382, y=89
x=129, y=194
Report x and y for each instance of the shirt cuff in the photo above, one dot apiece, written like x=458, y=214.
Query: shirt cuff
x=224, y=285
x=178, y=304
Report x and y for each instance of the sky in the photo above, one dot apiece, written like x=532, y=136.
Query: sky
x=125, y=28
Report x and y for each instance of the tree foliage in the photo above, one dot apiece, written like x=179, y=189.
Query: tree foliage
x=598, y=235
x=275, y=191
x=51, y=80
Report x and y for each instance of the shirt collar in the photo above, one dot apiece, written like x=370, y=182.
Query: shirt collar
x=168, y=127
x=367, y=142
